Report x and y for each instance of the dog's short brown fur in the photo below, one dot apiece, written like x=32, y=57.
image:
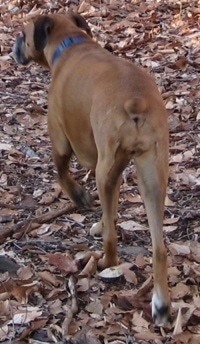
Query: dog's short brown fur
x=106, y=111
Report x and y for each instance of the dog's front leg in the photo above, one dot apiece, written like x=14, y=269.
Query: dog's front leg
x=152, y=175
x=62, y=151
x=76, y=193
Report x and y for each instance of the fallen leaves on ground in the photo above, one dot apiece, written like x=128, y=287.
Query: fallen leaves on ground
x=50, y=288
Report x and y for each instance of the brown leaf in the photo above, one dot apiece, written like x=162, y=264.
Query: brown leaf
x=63, y=262
x=129, y=275
x=48, y=277
x=95, y=307
x=179, y=291
x=24, y=316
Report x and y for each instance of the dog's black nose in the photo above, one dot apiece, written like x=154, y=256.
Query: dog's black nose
x=17, y=47
x=18, y=50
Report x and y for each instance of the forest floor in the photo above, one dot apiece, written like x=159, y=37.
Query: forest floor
x=50, y=288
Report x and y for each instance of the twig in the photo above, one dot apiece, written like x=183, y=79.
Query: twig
x=72, y=309
x=56, y=213
x=29, y=224
x=16, y=206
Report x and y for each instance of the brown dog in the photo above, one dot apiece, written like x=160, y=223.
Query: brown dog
x=106, y=111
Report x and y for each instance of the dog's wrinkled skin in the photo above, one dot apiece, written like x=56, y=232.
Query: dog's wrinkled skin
x=106, y=111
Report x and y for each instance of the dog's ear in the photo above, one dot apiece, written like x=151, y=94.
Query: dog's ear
x=43, y=28
x=80, y=22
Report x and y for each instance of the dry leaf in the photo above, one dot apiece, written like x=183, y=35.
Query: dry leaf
x=95, y=307
x=77, y=217
x=132, y=226
x=26, y=315
x=179, y=249
x=178, y=324
x=63, y=262
x=179, y=291
x=48, y=277
x=90, y=267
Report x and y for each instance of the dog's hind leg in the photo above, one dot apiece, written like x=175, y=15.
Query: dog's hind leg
x=62, y=151
x=108, y=179
x=97, y=228
x=152, y=175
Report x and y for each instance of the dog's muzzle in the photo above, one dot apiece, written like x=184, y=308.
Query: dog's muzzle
x=18, y=52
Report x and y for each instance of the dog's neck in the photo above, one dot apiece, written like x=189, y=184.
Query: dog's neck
x=64, y=44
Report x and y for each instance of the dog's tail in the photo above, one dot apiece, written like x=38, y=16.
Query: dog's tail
x=134, y=131
x=135, y=107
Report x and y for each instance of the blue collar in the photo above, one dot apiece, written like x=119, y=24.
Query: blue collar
x=65, y=43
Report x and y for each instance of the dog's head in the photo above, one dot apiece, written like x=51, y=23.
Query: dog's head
x=31, y=42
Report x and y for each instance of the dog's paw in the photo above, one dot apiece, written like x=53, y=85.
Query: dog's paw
x=83, y=199
x=96, y=229
x=161, y=311
x=107, y=262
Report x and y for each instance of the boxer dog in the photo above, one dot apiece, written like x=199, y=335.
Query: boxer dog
x=106, y=111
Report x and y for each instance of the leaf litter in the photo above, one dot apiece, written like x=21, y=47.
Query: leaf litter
x=50, y=288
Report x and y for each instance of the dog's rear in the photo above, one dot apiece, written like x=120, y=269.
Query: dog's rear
x=135, y=130
x=107, y=111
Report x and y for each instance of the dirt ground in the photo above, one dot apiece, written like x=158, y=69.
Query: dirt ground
x=50, y=288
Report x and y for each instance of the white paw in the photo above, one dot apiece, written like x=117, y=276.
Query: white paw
x=96, y=229
x=160, y=309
